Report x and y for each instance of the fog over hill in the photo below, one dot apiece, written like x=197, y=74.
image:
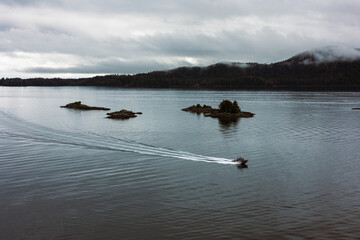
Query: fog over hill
x=326, y=54
x=314, y=56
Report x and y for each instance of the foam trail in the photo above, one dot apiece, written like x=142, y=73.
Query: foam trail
x=18, y=128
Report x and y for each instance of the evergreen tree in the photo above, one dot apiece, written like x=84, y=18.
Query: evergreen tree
x=235, y=107
x=227, y=106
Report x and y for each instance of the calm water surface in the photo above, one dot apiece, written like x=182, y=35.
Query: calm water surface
x=167, y=174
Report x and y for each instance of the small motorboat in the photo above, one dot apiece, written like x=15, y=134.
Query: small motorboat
x=240, y=160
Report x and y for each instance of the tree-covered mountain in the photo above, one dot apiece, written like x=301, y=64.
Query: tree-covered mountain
x=329, y=68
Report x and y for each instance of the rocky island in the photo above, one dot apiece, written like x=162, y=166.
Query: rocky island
x=123, y=114
x=79, y=106
x=227, y=110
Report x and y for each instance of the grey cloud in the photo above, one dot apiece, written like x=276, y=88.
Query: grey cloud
x=197, y=45
x=166, y=33
x=5, y=27
x=110, y=67
x=201, y=8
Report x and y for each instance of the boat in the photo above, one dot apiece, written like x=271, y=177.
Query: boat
x=240, y=160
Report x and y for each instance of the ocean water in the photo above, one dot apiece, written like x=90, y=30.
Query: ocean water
x=167, y=174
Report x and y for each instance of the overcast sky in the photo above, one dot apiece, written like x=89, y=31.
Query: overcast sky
x=79, y=37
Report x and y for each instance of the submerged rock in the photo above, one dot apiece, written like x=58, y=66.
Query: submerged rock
x=123, y=114
x=79, y=106
x=355, y=108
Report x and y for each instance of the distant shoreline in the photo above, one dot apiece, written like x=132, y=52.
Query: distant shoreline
x=288, y=75
x=309, y=88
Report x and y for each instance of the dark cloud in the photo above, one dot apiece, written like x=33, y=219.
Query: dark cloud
x=133, y=36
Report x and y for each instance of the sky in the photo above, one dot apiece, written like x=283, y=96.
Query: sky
x=77, y=38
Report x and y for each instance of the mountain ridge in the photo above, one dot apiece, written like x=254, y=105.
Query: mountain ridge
x=329, y=68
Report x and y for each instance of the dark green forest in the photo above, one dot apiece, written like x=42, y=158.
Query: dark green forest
x=286, y=75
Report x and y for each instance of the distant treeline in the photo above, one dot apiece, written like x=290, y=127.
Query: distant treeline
x=339, y=75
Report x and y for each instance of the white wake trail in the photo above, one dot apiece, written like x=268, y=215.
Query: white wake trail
x=15, y=127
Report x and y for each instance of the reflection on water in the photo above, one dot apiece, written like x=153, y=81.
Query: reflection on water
x=242, y=166
x=228, y=126
x=167, y=174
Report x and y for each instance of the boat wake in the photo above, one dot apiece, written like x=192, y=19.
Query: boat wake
x=12, y=126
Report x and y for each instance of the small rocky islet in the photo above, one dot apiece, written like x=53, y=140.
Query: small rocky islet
x=79, y=106
x=123, y=114
x=227, y=110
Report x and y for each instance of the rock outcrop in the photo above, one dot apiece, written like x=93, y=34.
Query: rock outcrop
x=79, y=106
x=199, y=109
x=123, y=114
x=216, y=113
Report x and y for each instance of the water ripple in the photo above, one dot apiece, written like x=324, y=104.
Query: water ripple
x=20, y=129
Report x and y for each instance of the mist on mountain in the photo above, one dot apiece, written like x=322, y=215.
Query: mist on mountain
x=328, y=68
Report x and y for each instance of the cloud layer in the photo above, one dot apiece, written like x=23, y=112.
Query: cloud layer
x=63, y=37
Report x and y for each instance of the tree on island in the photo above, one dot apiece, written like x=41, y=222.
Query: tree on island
x=236, y=107
x=227, y=106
